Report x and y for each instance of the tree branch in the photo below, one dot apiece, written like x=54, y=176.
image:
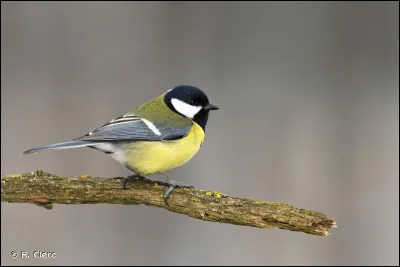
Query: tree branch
x=44, y=189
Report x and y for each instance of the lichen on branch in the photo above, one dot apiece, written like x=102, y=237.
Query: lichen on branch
x=46, y=189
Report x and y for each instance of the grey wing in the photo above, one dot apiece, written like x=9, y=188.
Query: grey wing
x=134, y=128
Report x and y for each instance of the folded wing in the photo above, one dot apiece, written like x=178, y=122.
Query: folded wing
x=131, y=127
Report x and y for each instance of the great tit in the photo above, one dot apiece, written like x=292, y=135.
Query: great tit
x=158, y=136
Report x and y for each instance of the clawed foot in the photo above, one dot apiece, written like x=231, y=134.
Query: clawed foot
x=172, y=184
x=135, y=176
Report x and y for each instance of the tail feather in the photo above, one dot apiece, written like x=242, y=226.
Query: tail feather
x=64, y=145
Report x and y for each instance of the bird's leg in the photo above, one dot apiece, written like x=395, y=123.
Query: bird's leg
x=172, y=186
x=134, y=176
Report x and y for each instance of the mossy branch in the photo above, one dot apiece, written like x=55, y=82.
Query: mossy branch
x=45, y=189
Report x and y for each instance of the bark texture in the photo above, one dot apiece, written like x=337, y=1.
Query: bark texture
x=45, y=189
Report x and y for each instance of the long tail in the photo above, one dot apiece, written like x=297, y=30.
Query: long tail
x=64, y=145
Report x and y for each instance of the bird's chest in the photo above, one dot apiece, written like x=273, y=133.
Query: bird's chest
x=152, y=157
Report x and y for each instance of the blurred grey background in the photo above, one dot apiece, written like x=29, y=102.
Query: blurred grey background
x=309, y=108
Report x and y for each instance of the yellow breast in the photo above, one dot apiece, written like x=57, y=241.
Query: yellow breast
x=147, y=157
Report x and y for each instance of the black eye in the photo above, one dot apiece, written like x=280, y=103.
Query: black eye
x=191, y=102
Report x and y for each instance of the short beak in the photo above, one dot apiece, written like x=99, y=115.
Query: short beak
x=211, y=107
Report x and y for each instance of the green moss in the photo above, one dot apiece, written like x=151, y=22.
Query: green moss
x=215, y=194
x=38, y=172
x=47, y=206
x=194, y=199
x=274, y=204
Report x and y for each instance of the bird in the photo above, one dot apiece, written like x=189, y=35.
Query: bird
x=157, y=136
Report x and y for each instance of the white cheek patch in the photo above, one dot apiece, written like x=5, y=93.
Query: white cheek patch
x=184, y=108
